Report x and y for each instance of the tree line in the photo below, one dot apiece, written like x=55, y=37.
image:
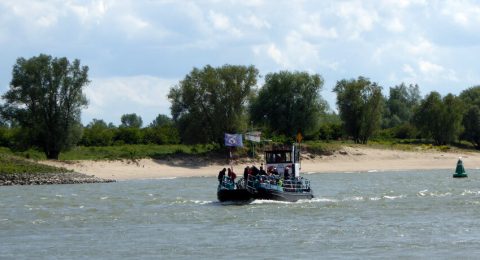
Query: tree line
x=43, y=105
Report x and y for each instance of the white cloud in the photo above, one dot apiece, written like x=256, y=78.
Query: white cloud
x=463, y=13
x=395, y=25
x=36, y=14
x=121, y=95
x=357, y=18
x=294, y=53
x=222, y=22
x=421, y=46
x=429, y=68
x=274, y=53
x=403, y=3
x=92, y=12
x=428, y=71
x=255, y=22
x=409, y=71
x=313, y=27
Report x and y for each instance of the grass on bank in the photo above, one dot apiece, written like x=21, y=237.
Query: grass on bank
x=129, y=152
x=134, y=152
x=11, y=164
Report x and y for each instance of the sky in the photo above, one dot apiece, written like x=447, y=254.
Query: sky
x=136, y=50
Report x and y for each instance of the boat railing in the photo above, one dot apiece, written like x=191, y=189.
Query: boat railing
x=296, y=185
x=227, y=183
x=276, y=183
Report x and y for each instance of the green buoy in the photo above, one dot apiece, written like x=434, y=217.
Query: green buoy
x=460, y=171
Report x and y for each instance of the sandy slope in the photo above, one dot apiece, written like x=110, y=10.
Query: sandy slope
x=347, y=160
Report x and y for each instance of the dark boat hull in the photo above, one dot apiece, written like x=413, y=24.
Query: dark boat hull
x=233, y=195
x=267, y=194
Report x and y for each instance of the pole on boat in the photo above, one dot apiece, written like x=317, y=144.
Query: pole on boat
x=251, y=141
x=299, y=141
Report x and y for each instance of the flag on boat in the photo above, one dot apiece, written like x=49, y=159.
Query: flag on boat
x=233, y=140
x=253, y=136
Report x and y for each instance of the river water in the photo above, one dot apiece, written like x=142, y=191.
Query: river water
x=354, y=215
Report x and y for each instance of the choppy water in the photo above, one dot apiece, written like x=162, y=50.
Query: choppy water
x=354, y=215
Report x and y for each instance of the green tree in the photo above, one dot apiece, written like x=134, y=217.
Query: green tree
x=289, y=102
x=360, y=104
x=211, y=101
x=401, y=104
x=165, y=134
x=471, y=121
x=330, y=127
x=45, y=98
x=161, y=131
x=97, y=133
x=131, y=120
x=161, y=120
x=439, y=119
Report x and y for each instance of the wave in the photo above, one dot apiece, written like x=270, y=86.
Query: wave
x=270, y=202
x=393, y=197
x=354, y=198
x=424, y=193
x=470, y=192
x=202, y=202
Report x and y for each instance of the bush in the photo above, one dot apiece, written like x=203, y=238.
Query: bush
x=129, y=135
x=166, y=134
x=330, y=131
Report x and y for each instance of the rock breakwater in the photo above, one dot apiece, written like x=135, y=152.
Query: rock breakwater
x=49, y=178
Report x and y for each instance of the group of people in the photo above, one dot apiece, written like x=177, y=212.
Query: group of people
x=252, y=171
x=230, y=174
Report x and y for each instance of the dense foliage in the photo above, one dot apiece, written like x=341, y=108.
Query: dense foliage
x=400, y=105
x=289, y=102
x=45, y=99
x=471, y=120
x=360, y=104
x=439, y=119
x=98, y=133
x=212, y=101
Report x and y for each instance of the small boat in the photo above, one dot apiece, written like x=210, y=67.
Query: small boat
x=460, y=170
x=281, y=181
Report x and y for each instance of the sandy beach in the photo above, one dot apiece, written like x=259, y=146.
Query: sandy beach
x=349, y=159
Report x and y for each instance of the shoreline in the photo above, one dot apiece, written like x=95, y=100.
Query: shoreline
x=348, y=159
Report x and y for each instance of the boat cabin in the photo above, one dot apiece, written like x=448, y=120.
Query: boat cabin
x=285, y=160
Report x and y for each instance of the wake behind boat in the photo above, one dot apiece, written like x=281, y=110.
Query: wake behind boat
x=281, y=181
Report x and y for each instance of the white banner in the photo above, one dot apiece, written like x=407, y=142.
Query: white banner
x=253, y=136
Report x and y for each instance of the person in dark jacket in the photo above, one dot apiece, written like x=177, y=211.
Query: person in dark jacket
x=231, y=175
x=245, y=173
x=221, y=174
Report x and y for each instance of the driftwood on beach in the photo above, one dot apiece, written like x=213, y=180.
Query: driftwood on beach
x=49, y=178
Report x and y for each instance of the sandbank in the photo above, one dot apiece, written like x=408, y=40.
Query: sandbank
x=348, y=159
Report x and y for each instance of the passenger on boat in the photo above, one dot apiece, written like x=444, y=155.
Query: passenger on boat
x=262, y=171
x=231, y=175
x=221, y=174
x=255, y=170
x=275, y=171
x=245, y=173
x=286, y=173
